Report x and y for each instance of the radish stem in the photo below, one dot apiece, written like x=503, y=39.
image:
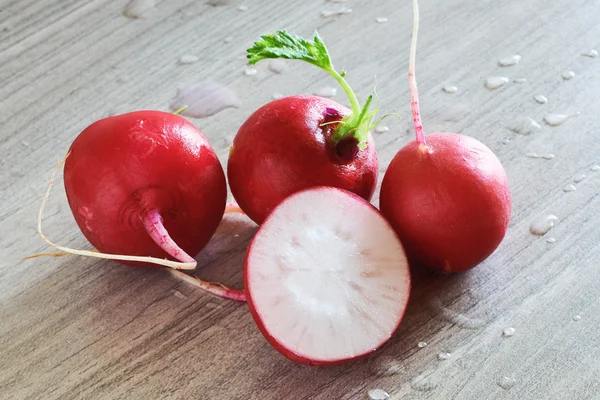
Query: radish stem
x=351, y=96
x=180, y=110
x=412, y=81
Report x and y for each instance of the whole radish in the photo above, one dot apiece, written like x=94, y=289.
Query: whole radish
x=326, y=277
x=299, y=142
x=445, y=194
x=143, y=187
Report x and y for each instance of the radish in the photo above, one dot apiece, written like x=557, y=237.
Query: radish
x=143, y=187
x=326, y=277
x=445, y=194
x=298, y=142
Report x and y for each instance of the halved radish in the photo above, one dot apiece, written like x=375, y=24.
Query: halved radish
x=326, y=277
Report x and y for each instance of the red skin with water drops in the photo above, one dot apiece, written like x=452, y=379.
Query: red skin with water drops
x=282, y=149
x=450, y=206
x=121, y=167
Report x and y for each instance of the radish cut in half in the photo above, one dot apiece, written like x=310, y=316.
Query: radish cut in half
x=326, y=277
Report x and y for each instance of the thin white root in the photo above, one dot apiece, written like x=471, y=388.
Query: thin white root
x=93, y=253
x=59, y=254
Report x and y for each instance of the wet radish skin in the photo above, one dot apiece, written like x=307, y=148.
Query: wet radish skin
x=450, y=206
x=121, y=167
x=282, y=149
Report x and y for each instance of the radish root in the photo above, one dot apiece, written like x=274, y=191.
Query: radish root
x=153, y=224
x=92, y=253
x=214, y=288
x=217, y=289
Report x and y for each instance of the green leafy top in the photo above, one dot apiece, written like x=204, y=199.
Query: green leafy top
x=282, y=44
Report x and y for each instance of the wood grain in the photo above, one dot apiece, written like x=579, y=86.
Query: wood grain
x=75, y=328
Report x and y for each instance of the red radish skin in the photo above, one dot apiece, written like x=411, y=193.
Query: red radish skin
x=310, y=235
x=450, y=203
x=146, y=183
x=282, y=148
x=445, y=194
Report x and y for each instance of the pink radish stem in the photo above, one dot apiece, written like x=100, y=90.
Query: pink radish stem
x=153, y=223
x=412, y=81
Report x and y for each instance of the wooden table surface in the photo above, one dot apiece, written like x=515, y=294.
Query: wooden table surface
x=79, y=328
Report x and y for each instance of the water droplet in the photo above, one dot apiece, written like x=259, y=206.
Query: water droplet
x=509, y=61
x=543, y=225
x=558, y=119
x=423, y=383
x=386, y=366
x=138, y=8
x=508, y=332
x=331, y=13
x=204, y=99
x=520, y=80
x=570, y=188
x=444, y=356
x=495, y=82
x=455, y=317
x=576, y=317
x=179, y=295
x=25, y=143
x=507, y=383
x=540, y=98
x=567, y=75
x=595, y=168
x=450, y=89
x=592, y=53
x=242, y=8
x=378, y=394
x=549, y=156
x=381, y=129
x=421, y=344
x=579, y=178
x=276, y=96
x=381, y=20
x=250, y=71
x=188, y=59
x=326, y=91
x=551, y=240
x=228, y=39
x=524, y=126
x=277, y=66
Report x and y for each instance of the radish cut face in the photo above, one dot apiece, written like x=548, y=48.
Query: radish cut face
x=326, y=277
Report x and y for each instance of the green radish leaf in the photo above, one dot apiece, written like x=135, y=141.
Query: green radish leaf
x=282, y=44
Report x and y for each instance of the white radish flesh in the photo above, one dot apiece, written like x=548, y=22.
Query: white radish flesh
x=327, y=278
